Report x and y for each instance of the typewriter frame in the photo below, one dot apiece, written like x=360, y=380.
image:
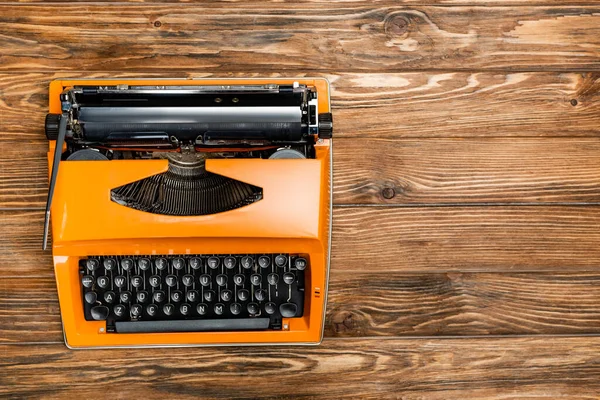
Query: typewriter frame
x=72, y=240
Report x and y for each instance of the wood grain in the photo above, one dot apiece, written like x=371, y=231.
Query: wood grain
x=277, y=3
x=257, y=37
x=29, y=310
x=385, y=105
x=466, y=171
x=396, y=239
x=344, y=368
x=400, y=172
x=382, y=304
x=441, y=239
x=459, y=304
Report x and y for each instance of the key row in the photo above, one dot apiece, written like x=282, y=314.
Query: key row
x=195, y=263
x=156, y=281
x=175, y=296
x=137, y=311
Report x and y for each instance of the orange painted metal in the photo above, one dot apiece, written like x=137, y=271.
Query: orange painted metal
x=292, y=217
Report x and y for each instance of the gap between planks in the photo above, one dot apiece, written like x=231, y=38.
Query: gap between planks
x=355, y=338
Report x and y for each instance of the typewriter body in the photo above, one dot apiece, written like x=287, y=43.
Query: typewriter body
x=190, y=212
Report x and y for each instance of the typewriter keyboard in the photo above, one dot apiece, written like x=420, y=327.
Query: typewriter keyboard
x=190, y=293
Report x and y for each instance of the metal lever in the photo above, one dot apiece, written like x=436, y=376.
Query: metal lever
x=62, y=132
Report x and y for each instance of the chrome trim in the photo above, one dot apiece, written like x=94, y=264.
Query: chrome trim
x=185, y=89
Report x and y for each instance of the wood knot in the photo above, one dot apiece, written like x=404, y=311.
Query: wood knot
x=157, y=24
x=388, y=193
x=343, y=322
x=397, y=25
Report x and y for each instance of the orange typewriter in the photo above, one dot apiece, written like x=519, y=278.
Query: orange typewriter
x=190, y=212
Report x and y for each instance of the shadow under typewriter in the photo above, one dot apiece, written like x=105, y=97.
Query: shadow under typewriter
x=186, y=189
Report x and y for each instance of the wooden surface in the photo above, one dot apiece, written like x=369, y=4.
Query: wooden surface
x=466, y=247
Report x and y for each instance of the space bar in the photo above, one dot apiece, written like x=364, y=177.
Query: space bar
x=200, y=325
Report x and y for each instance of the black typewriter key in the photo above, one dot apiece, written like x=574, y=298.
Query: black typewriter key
x=125, y=297
x=120, y=281
x=272, y=279
x=289, y=278
x=235, y=308
x=103, y=282
x=300, y=264
x=238, y=279
x=213, y=262
x=195, y=263
x=185, y=309
x=87, y=281
x=126, y=264
x=155, y=281
x=169, y=309
x=202, y=309
x=221, y=280
x=288, y=310
x=247, y=262
x=229, y=262
x=192, y=296
x=109, y=297
x=255, y=279
x=176, y=296
x=152, y=309
x=205, y=280
x=137, y=281
x=92, y=264
x=144, y=264
x=260, y=294
x=209, y=295
x=110, y=264
x=270, y=308
x=159, y=296
x=226, y=295
x=252, y=308
x=160, y=264
x=188, y=280
x=243, y=295
x=91, y=297
x=178, y=263
x=171, y=280
x=99, y=313
x=119, y=310
x=219, y=309
x=281, y=261
x=135, y=311
x=141, y=296
x=264, y=262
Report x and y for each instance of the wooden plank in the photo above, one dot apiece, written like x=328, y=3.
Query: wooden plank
x=441, y=239
x=317, y=37
x=348, y=368
x=459, y=304
x=383, y=304
x=397, y=239
x=465, y=104
x=466, y=171
x=401, y=172
x=386, y=105
x=277, y=3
